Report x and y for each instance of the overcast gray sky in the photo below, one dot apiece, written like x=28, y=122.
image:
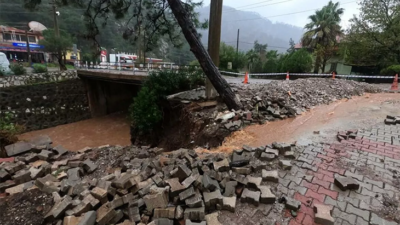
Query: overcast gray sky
x=273, y=9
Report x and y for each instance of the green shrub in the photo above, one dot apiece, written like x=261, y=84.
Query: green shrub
x=298, y=62
x=391, y=70
x=18, y=69
x=39, y=68
x=145, y=111
x=8, y=132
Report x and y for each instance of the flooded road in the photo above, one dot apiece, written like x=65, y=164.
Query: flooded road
x=111, y=129
x=327, y=120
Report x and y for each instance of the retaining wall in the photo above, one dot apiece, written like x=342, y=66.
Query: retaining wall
x=40, y=101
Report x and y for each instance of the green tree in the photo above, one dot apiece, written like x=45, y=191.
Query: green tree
x=253, y=58
x=271, y=64
x=373, y=38
x=54, y=44
x=228, y=54
x=298, y=62
x=291, y=48
x=322, y=31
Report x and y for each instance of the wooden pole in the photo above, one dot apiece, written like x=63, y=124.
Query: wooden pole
x=214, y=40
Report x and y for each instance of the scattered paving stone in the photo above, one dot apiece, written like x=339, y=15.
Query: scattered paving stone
x=252, y=197
x=290, y=155
x=222, y=166
x=195, y=214
x=22, y=176
x=183, y=172
x=4, y=175
x=45, y=155
x=168, y=212
x=266, y=196
x=271, y=176
x=229, y=203
x=89, y=166
x=159, y=199
x=346, y=183
x=18, y=148
x=230, y=188
x=285, y=164
x=186, y=194
x=179, y=212
x=267, y=156
x=253, y=182
x=105, y=214
x=124, y=182
x=242, y=170
x=323, y=214
x=282, y=147
x=209, y=183
x=194, y=202
x=292, y=204
x=211, y=199
x=188, y=222
x=272, y=151
x=59, y=209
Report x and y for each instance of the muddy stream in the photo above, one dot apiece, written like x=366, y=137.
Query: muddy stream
x=358, y=112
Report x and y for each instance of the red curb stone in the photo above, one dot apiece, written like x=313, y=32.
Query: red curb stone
x=311, y=186
x=325, y=172
x=322, y=183
x=302, y=199
x=332, y=194
x=314, y=195
x=10, y=159
x=308, y=220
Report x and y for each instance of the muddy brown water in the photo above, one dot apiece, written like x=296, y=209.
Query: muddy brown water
x=358, y=112
x=112, y=129
x=327, y=120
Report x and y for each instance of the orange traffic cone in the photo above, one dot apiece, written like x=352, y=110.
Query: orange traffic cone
x=246, y=78
x=333, y=75
x=287, y=76
x=395, y=85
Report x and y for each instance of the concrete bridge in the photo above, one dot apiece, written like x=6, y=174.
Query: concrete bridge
x=111, y=91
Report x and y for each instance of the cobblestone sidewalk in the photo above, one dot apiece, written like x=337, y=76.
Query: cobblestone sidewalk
x=371, y=157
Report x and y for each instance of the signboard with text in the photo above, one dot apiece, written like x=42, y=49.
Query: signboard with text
x=24, y=45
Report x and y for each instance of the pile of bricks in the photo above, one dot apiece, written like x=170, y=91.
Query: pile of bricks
x=180, y=186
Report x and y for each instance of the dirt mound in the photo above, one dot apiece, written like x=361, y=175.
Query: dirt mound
x=28, y=207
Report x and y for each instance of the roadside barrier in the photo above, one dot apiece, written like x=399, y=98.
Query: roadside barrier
x=311, y=75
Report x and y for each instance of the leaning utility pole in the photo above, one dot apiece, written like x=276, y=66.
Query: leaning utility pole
x=206, y=63
x=214, y=40
x=237, y=42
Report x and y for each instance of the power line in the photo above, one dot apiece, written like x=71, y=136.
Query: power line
x=287, y=14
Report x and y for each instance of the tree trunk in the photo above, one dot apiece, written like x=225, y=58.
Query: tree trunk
x=317, y=63
x=209, y=68
x=323, y=66
x=61, y=61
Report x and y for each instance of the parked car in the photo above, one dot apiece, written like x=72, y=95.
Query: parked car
x=4, y=63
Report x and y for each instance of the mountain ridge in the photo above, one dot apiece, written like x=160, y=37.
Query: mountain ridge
x=252, y=27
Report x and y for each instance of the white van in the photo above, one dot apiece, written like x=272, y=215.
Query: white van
x=4, y=63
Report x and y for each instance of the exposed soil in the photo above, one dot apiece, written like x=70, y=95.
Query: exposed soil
x=28, y=207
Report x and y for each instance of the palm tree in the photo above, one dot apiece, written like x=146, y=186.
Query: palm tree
x=323, y=29
x=252, y=57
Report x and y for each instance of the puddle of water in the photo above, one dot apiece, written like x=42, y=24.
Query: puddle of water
x=359, y=112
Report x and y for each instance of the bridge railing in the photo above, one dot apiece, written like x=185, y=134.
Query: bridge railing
x=129, y=66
